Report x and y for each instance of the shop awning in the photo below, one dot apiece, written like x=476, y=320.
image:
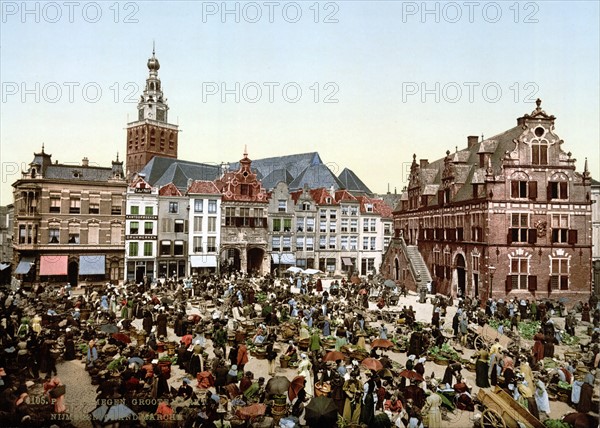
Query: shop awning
x=53, y=265
x=24, y=265
x=205, y=260
x=285, y=259
x=4, y=266
x=347, y=261
x=92, y=265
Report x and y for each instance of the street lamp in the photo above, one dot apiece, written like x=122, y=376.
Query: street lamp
x=492, y=270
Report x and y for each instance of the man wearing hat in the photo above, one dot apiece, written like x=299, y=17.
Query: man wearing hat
x=185, y=390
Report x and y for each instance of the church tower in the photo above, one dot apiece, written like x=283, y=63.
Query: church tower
x=151, y=134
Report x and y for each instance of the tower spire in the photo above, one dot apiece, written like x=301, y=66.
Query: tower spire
x=153, y=48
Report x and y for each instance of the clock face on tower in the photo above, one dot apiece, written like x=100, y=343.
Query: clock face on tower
x=160, y=115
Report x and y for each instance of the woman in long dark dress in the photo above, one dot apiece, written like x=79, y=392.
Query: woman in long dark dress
x=481, y=370
x=69, y=346
x=367, y=411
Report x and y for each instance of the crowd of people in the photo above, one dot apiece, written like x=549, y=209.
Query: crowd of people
x=131, y=338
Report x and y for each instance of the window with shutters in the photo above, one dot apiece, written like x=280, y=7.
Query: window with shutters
x=559, y=274
x=134, y=227
x=148, y=249
x=287, y=224
x=519, y=269
x=276, y=225
x=560, y=228
x=518, y=189
x=519, y=230
x=539, y=152
x=558, y=190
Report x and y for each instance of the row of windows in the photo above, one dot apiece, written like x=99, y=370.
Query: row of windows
x=211, y=206
x=26, y=235
x=521, y=189
x=75, y=205
x=518, y=277
x=211, y=244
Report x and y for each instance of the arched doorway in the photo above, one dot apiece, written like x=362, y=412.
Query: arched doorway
x=396, y=270
x=255, y=259
x=460, y=275
x=73, y=273
x=231, y=261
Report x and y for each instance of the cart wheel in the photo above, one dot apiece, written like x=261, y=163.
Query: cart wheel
x=479, y=343
x=491, y=419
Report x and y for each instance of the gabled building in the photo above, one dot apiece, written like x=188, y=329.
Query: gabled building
x=68, y=222
x=141, y=231
x=205, y=217
x=244, y=234
x=281, y=218
x=508, y=216
x=172, y=232
x=595, y=192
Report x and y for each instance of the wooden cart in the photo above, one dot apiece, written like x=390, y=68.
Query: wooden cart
x=484, y=337
x=502, y=411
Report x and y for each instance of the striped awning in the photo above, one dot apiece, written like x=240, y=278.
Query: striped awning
x=347, y=261
x=92, y=265
x=53, y=265
x=25, y=265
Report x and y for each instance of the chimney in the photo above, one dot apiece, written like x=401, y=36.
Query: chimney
x=85, y=162
x=472, y=140
x=423, y=163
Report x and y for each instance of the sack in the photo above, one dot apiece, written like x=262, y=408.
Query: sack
x=58, y=391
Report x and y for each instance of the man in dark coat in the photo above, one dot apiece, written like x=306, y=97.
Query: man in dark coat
x=147, y=323
x=161, y=323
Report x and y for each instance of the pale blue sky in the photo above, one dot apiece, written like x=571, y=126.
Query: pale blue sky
x=373, y=55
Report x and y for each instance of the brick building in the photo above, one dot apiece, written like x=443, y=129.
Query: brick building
x=68, y=222
x=506, y=216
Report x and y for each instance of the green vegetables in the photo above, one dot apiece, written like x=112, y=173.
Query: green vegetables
x=564, y=385
x=527, y=329
x=556, y=423
x=445, y=352
x=567, y=339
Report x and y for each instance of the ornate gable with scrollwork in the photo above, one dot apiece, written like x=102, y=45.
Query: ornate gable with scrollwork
x=242, y=185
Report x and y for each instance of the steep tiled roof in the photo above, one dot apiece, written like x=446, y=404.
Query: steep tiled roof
x=345, y=196
x=382, y=208
x=161, y=171
x=203, y=187
x=320, y=196
x=466, y=166
x=77, y=172
x=169, y=190
x=316, y=176
x=275, y=177
x=352, y=183
x=293, y=164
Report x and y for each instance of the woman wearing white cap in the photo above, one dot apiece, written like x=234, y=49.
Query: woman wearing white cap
x=305, y=369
